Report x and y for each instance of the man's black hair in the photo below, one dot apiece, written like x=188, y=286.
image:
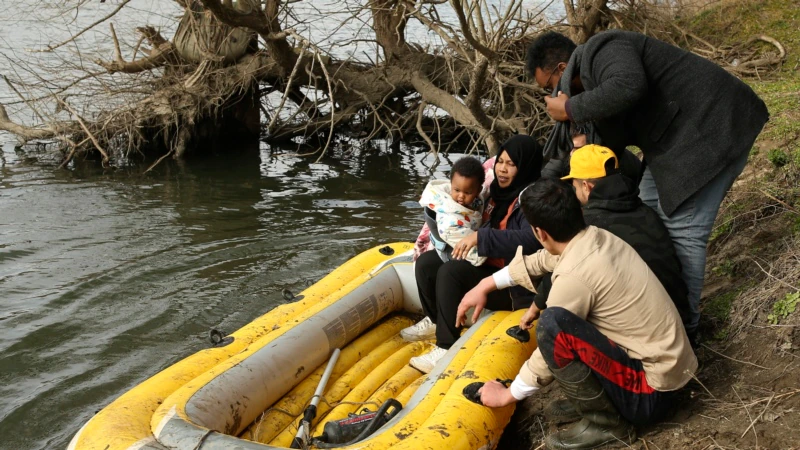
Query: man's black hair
x=548, y=50
x=553, y=206
x=469, y=167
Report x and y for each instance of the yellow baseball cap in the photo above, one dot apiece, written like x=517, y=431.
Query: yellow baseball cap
x=589, y=162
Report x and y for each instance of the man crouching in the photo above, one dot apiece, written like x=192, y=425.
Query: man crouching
x=611, y=336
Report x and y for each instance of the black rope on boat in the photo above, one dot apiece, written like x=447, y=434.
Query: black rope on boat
x=388, y=251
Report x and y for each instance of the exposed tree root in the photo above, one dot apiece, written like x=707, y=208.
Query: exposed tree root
x=475, y=87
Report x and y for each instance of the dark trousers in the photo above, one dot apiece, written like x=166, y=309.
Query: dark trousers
x=563, y=337
x=441, y=287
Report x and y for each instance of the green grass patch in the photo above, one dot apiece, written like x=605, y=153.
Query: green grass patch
x=778, y=157
x=722, y=334
x=784, y=307
x=783, y=102
x=726, y=268
x=728, y=219
x=719, y=307
x=737, y=21
x=721, y=230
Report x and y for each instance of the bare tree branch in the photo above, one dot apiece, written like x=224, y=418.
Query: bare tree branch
x=50, y=48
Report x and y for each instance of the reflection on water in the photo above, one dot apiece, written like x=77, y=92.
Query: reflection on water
x=108, y=277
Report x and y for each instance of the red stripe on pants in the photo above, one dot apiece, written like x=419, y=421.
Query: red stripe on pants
x=567, y=346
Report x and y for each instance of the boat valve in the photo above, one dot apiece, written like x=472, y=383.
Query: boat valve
x=218, y=338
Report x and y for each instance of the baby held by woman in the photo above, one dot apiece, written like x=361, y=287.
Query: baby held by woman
x=453, y=210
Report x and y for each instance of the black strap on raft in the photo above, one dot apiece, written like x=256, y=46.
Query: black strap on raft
x=439, y=244
x=383, y=415
x=471, y=393
x=519, y=334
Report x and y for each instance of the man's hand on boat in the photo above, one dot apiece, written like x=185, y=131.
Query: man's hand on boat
x=463, y=246
x=526, y=322
x=495, y=395
x=476, y=298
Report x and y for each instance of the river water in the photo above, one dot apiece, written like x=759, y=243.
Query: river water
x=108, y=276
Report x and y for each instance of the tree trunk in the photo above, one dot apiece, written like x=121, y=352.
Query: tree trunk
x=584, y=17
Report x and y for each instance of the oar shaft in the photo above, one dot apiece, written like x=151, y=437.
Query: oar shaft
x=325, y=377
x=311, y=411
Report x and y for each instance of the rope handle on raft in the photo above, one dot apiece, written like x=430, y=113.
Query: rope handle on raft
x=519, y=334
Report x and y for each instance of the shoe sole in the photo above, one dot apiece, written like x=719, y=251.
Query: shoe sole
x=559, y=420
x=420, y=368
x=417, y=338
x=559, y=416
x=632, y=436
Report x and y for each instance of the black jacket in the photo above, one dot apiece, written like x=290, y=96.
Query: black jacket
x=614, y=205
x=503, y=244
x=689, y=117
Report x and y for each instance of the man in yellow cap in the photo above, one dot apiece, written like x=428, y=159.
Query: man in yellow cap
x=587, y=166
x=611, y=201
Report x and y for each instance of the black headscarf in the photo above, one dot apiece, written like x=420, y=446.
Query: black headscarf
x=527, y=155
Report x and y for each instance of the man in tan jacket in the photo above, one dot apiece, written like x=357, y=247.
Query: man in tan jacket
x=611, y=336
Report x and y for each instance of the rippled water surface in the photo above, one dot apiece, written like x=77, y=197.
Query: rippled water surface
x=108, y=277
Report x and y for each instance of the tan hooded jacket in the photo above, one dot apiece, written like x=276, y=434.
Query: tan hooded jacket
x=603, y=280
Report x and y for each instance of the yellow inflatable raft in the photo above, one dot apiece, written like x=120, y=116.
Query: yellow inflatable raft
x=249, y=392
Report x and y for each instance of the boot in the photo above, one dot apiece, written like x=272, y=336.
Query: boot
x=561, y=411
x=600, y=423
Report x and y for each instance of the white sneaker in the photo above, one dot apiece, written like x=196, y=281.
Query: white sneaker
x=422, y=330
x=425, y=363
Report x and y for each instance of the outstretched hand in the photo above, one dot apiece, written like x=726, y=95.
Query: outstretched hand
x=557, y=106
x=463, y=246
x=495, y=395
x=477, y=298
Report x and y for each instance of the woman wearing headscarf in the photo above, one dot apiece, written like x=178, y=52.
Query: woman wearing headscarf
x=442, y=285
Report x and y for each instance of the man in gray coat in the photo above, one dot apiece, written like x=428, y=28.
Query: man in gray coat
x=694, y=122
